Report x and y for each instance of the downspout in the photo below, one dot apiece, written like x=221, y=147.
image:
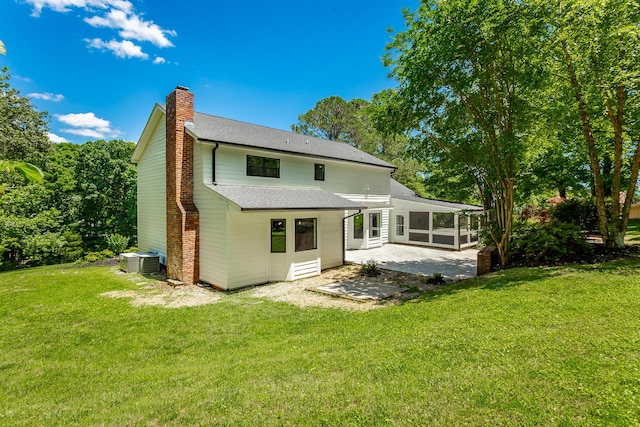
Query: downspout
x=213, y=164
x=344, y=237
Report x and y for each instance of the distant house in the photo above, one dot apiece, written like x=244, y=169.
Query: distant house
x=235, y=204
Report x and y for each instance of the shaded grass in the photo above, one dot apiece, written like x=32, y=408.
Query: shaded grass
x=556, y=346
x=633, y=231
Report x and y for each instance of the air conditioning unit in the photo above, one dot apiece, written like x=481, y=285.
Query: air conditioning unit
x=148, y=263
x=130, y=262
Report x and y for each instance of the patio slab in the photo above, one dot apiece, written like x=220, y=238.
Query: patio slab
x=359, y=290
x=456, y=265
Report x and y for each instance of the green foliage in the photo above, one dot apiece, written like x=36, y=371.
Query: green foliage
x=370, y=269
x=30, y=172
x=52, y=248
x=106, y=183
x=117, y=243
x=436, y=279
x=353, y=123
x=591, y=52
x=548, y=243
x=23, y=129
x=581, y=212
x=466, y=80
x=99, y=255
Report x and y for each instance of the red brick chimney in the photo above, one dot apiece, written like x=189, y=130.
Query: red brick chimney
x=182, y=215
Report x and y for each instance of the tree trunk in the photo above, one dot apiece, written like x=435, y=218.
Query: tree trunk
x=594, y=162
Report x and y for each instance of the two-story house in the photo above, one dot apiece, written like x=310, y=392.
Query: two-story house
x=235, y=204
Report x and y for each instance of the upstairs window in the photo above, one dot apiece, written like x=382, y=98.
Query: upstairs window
x=263, y=166
x=319, y=172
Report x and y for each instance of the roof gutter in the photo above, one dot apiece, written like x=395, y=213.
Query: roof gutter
x=316, y=156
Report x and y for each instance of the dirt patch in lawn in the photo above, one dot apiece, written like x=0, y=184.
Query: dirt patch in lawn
x=156, y=292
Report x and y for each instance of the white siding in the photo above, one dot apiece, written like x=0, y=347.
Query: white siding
x=248, y=248
x=250, y=261
x=213, y=224
x=331, y=239
x=298, y=172
x=152, y=203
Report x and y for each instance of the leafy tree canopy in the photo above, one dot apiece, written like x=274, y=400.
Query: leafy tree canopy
x=23, y=129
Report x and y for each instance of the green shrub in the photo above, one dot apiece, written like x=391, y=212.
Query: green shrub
x=52, y=248
x=436, y=279
x=370, y=268
x=117, y=243
x=548, y=243
x=98, y=256
x=581, y=212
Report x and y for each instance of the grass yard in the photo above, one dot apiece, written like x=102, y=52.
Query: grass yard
x=543, y=346
x=633, y=231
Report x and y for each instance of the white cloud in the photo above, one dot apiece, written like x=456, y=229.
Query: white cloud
x=118, y=15
x=66, y=5
x=121, y=49
x=159, y=60
x=46, y=96
x=132, y=27
x=88, y=125
x=83, y=120
x=55, y=138
x=89, y=133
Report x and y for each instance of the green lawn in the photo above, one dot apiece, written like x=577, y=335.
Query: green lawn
x=633, y=231
x=547, y=346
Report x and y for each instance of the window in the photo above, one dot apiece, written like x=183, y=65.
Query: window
x=358, y=226
x=399, y=225
x=374, y=224
x=318, y=172
x=475, y=222
x=443, y=221
x=263, y=166
x=306, y=234
x=419, y=220
x=278, y=236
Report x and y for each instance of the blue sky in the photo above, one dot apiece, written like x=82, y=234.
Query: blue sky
x=99, y=66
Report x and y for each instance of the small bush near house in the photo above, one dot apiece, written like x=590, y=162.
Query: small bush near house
x=436, y=279
x=117, y=243
x=550, y=243
x=370, y=269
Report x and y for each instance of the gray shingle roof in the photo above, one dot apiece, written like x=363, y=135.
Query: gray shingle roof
x=217, y=129
x=399, y=191
x=272, y=198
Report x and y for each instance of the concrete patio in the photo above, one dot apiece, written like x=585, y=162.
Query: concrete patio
x=419, y=260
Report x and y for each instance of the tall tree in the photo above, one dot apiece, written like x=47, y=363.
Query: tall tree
x=23, y=129
x=464, y=75
x=593, y=50
x=352, y=122
x=332, y=118
x=106, y=183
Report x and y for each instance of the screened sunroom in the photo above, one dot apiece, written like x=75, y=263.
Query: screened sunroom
x=416, y=220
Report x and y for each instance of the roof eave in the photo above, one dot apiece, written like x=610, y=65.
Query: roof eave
x=253, y=147
x=156, y=114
